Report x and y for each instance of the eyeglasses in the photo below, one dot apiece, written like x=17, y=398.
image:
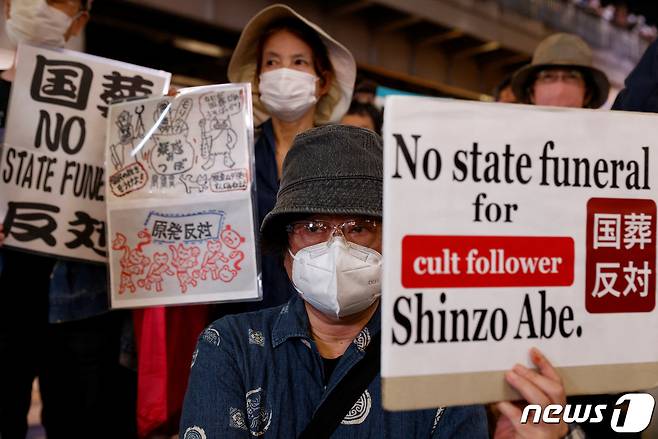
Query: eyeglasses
x=568, y=76
x=310, y=232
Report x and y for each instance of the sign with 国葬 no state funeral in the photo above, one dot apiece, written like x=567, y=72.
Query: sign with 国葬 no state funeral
x=180, y=199
x=508, y=227
x=52, y=190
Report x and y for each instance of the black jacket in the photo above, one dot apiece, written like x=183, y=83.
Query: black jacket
x=640, y=91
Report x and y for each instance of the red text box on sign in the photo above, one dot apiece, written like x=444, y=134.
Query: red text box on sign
x=486, y=261
x=621, y=255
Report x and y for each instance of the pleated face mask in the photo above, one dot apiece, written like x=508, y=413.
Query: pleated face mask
x=287, y=94
x=36, y=22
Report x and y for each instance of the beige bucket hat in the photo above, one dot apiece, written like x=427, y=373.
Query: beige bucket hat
x=562, y=50
x=242, y=67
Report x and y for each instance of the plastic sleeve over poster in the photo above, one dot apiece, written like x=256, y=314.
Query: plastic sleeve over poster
x=181, y=197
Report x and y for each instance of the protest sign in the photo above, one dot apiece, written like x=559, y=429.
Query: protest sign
x=180, y=200
x=508, y=227
x=53, y=185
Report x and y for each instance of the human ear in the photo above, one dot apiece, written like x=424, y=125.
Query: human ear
x=324, y=84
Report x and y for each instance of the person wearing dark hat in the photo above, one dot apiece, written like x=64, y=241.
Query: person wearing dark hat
x=302, y=368
x=301, y=77
x=561, y=74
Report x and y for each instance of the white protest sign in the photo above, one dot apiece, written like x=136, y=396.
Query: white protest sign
x=53, y=193
x=508, y=227
x=180, y=198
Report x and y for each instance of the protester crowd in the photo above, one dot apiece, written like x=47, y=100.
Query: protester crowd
x=619, y=14
x=281, y=367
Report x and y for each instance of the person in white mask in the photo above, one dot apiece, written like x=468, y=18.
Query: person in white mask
x=309, y=368
x=54, y=322
x=43, y=23
x=301, y=77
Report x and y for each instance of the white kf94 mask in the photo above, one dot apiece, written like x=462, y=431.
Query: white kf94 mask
x=338, y=278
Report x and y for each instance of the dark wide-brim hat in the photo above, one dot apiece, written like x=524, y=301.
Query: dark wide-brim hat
x=334, y=170
x=562, y=51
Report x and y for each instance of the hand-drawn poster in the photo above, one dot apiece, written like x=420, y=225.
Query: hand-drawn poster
x=181, y=221
x=52, y=198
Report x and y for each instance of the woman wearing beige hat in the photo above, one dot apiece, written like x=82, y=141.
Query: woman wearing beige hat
x=301, y=77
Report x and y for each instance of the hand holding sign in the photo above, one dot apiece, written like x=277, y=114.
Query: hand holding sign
x=543, y=388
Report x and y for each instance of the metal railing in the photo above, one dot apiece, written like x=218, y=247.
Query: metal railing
x=565, y=16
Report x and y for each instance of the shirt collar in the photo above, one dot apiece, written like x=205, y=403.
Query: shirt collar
x=292, y=321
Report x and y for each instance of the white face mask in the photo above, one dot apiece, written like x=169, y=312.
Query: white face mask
x=338, y=278
x=286, y=93
x=36, y=22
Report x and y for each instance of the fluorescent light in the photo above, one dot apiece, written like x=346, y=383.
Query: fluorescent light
x=201, y=47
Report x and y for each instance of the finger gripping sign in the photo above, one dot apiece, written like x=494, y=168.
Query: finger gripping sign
x=180, y=211
x=502, y=236
x=51, y=167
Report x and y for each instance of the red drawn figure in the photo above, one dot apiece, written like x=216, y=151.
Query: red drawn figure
x=133, y=262
x=159, y=268
x=185, y=259
x=226, y=274
x=212, y=260
x=233, y=240
x=236, y=257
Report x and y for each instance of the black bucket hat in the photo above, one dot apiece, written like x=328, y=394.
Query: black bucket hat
x=333, y=169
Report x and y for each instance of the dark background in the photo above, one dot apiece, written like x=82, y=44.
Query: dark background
x=648, y=8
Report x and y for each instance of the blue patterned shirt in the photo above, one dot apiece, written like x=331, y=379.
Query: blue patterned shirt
x=261, y=374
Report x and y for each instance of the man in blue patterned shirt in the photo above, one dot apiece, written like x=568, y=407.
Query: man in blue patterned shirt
x=267, y=372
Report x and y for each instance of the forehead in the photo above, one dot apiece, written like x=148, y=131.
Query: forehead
x=284, y=42
x=334, y=219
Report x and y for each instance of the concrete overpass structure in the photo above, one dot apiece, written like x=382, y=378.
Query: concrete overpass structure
x=459, y=48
